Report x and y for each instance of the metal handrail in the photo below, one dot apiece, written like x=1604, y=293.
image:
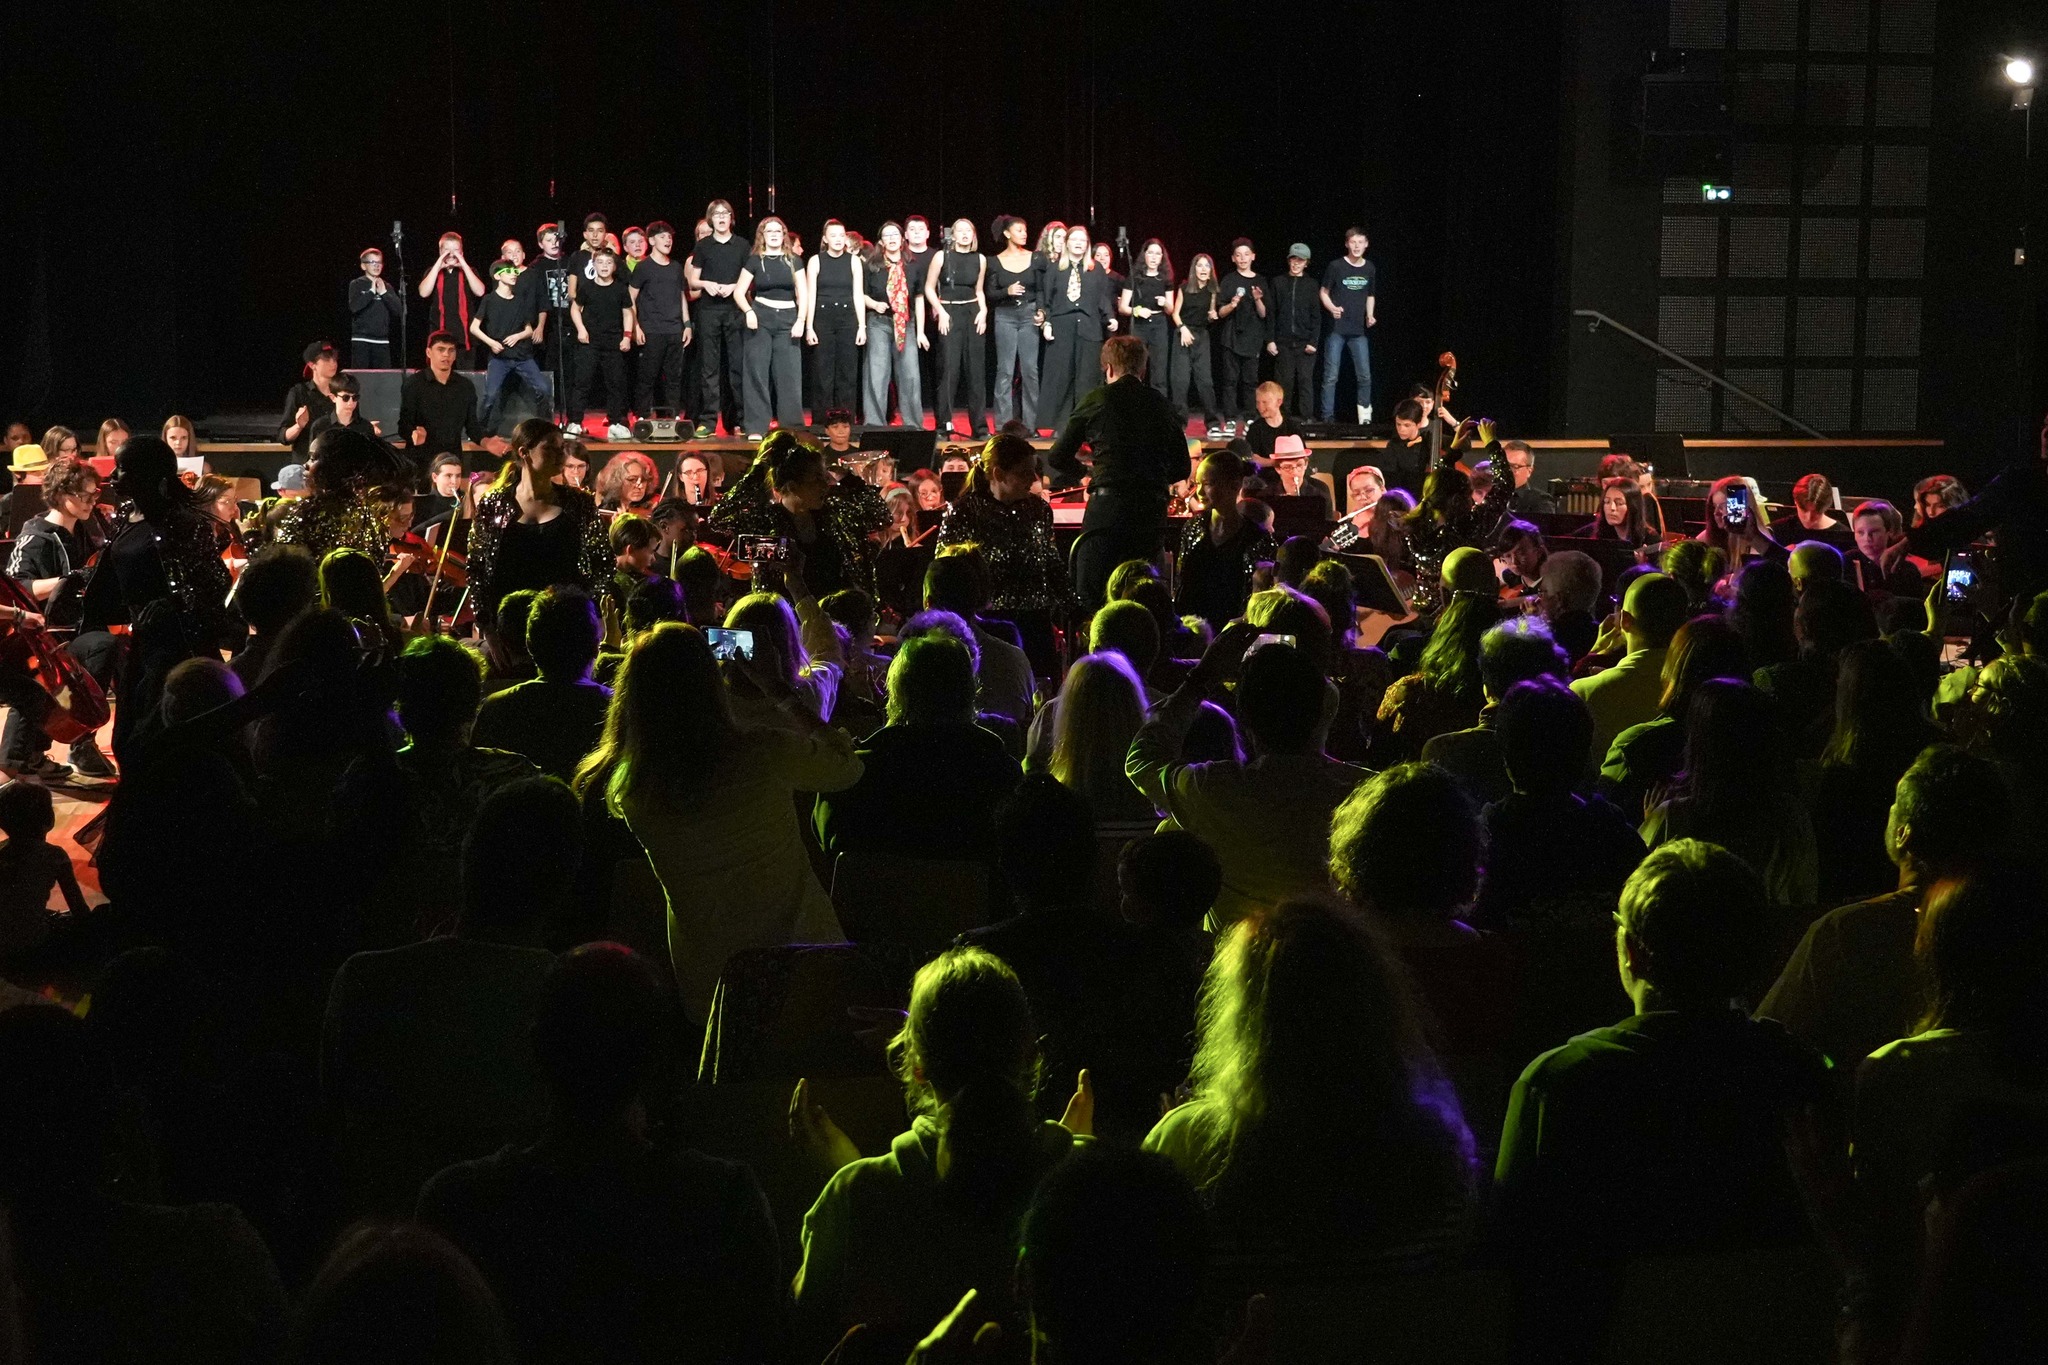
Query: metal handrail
x=1601, y=319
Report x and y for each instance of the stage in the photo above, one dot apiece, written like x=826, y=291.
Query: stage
x=1869, y=468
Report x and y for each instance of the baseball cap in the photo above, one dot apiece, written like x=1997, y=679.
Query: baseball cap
x=1300, y=250
x=291, y=478
x=317, y=349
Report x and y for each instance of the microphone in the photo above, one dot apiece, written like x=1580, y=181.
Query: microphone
x=397, y=232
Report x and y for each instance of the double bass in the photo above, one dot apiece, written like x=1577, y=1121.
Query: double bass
x=78, y=705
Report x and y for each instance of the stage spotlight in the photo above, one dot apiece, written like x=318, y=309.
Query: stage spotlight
x=2019, y=71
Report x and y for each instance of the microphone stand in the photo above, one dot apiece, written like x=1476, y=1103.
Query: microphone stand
x=404, y=297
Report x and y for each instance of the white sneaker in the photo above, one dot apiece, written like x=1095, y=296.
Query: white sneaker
x=618, y=433
x=1365, y=414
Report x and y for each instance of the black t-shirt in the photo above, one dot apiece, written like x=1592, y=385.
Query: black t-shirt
x=451, y=299
x=719, y=263
x=1260, y=437
x=502, y=317
x=604, y=310
x=660, y=300
x=1350, y=286
x=774, y=277
x=546, y=282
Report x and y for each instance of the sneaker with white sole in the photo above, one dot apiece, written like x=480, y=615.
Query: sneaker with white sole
x=615, y=432
x=91, y=763
x=1215, y=432
x=44, y=769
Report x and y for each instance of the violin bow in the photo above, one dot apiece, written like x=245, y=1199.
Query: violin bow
x=441, y=558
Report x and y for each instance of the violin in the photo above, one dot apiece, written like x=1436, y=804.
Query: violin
x=454, y=568
x=78, y=705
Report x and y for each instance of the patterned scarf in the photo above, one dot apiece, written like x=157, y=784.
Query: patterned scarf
x=899, y=300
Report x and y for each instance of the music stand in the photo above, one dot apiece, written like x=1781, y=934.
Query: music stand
x=1376, y=587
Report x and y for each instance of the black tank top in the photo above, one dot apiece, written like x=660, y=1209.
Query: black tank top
x=835, y=279
x=958, y=270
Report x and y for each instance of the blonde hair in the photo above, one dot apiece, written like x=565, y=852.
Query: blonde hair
x=1102, y=707
x=973, y=235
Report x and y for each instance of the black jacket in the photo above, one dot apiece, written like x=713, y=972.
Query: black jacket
x=372, y=316
x=1090, y=313
x=1135, y=435
x=1294, y=306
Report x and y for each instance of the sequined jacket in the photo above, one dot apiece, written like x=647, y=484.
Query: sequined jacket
x=852, y=513
x=1431, y=541
x=498, y=509
x=1251, y=547
x=334, y=521
x=1026, y=570
x=198, y=581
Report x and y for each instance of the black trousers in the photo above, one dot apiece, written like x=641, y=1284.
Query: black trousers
x=661, y=374
x=835, y=378
x=368, y=355
x=721, y=335
x=549, y=354
x=1240, y=384
x=24, y=739
x=961, y=354
x=1192, y=365
x=601, y=357
x=775, y=372
x=1115, y=528
x=1072, y=365
x=1294, y=370
x=1157, y=334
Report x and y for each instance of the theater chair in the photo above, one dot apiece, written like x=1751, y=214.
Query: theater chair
x=787, y=1011
x=1762, y=1306
x=749, y=1123
x=915, y=902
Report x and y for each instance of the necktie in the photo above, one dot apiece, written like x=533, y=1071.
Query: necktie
x=1074, y=285
x=899, y=300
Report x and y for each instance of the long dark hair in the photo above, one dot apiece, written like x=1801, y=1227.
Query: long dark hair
x=1878, y=730
x=1764, y=602
x=1165, y=260
x=1639, y=530
x=1731, y=728
x=1450, y=661
x=1445, y=494
x=968, y=1053
x=669, y=722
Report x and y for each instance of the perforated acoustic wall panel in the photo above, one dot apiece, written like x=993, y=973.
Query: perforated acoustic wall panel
x=1804, y=286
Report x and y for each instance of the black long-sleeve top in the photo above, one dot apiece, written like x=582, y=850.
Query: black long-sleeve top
x=373, y=317
x=1091, y=312
x=2015, y=505
x=1136, y=438
x=448, y=412
x=1001, y=277
x=1294, y=307
x=1026, y=570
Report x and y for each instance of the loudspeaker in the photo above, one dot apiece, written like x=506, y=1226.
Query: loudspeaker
x=516, y=402
x=913, y=447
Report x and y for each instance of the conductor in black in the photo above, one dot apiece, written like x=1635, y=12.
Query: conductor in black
x=1139, y=450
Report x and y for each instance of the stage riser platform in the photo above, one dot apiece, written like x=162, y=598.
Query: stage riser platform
x=1858, y=469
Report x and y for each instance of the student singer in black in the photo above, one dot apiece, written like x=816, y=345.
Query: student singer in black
x=1078, y=308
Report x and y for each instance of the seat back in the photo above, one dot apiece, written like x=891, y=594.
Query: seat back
x=639, y=914
x=916, y=902
x=749, y=1123
x=787, y=1011
x=1762, y=1306
x=1453, y=1318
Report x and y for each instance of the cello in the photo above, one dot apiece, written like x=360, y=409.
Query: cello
x=78, y=705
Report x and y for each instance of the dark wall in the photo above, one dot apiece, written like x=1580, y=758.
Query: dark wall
x=193, y=203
